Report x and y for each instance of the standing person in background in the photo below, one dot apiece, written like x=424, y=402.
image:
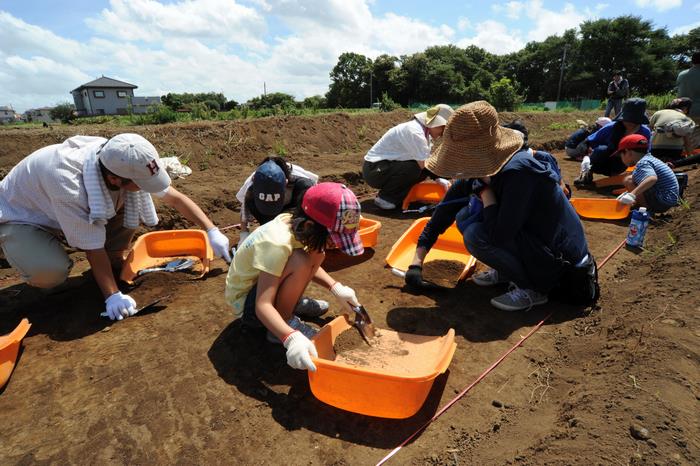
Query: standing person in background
x=672, y=129
x=688, y=83
x=618, y=90
x=395, y=163
x=275, y=186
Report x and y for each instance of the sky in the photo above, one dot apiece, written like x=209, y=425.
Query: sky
x=49, y=47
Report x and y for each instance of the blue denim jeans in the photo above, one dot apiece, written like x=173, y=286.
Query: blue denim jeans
x=505, y=259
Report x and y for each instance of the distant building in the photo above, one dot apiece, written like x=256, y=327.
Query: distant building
x=7, y=115
x=42, y=114
x=107, y=96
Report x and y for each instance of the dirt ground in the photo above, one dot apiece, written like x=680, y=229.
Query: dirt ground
x=183, y=383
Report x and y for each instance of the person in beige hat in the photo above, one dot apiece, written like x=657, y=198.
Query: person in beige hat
x=91, y=193
x=395, y=163
x=530, y=234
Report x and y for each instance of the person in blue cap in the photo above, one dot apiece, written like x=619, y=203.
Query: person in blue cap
x=275, y=186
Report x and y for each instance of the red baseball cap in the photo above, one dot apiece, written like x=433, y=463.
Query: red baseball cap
x=637, y=142
x=336, y=207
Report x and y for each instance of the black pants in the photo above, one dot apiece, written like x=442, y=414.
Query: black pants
x=667, y=155
x=394, y=179
x=605, y=164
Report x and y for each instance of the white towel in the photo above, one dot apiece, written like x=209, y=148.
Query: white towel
x=138, y=206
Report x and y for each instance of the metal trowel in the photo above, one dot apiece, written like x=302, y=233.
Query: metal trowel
x=172, y=266
x=363, y=323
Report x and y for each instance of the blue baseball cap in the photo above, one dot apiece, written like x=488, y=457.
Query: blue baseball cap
x=268, y=188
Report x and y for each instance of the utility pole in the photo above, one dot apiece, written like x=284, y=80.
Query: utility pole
x=370, y=88
x=264, y=89
x=561, y=73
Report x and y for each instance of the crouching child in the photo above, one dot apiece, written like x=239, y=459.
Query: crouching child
x=652, y=184
x=274, y=265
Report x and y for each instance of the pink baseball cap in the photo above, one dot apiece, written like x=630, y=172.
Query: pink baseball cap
x=336, y=207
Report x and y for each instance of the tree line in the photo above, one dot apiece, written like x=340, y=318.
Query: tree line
x=576, y=65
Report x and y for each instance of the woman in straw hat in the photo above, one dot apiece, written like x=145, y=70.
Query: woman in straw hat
x=395, y=163
x=530, y=234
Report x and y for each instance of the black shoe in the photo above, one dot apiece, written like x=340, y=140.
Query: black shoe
x=585, y=179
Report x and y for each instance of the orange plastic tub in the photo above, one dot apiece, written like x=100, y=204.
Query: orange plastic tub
x=369, y=232
x=9, y=349
x=613, y=180
x=150, y=249
x=427, y=192
x=604, y=209
x=449, y=246
x=386, y=392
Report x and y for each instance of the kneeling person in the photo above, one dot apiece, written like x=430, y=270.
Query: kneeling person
x=652, y=184
x=92, y=193
x=273, y=267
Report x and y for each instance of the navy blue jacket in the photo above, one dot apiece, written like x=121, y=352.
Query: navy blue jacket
x=534, y=216
x=577, y=138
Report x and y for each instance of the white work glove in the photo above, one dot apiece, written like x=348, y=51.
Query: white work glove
x=586, y=163
x=119, y=306
x=242, y=237
x=219, y=244
x=299, y=351
x=626, y=198
x=345, y=296
x=443, y=182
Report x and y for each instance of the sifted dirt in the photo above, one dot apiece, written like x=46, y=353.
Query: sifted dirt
x=442, y=272
x=348, y=340
x=187, y=384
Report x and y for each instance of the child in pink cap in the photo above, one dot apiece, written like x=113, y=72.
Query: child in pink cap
x=274, y=265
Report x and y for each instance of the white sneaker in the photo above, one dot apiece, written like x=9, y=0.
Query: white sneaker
x=489, y=277
x=382, y=204
x=519, y=299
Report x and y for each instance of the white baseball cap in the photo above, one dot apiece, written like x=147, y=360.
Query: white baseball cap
x=131, y=156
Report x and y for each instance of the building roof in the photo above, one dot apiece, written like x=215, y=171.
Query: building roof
x=106, y=82
x=6, y=108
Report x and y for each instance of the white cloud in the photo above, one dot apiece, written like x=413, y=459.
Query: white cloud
x=548, y=22
x=685, y=29
x=659, y=5
x=463, y=23
x=151, y=21
x=512, y=10
x=193, y=46
x=495, y=37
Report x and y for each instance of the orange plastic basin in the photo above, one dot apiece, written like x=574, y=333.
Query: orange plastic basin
x=614, y=180
x=428, y=192
x=150, y=249
x=9, y=348
x=369, y=232
x=387, y=393
x=605, y=209
x=449, y=246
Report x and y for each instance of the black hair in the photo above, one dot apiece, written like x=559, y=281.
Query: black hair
x=519, y=125
x=308, y=231
x=286, y=167
x=617, y=73
x=681, y=103
x=105, y=171
x=695, y=59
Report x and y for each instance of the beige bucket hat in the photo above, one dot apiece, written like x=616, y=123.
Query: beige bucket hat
x=435, y=116
x=474, y=144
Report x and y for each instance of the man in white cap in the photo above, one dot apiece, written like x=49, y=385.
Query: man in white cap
x=91, y=193
x=395, y=163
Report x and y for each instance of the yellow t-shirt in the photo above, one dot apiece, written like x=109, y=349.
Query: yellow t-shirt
x=267, y=249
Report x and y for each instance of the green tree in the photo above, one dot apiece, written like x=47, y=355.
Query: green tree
x=381, y=69
x=315, y=102
x=271, y=100
x=504, y=95
x=350, y=81
x=63, y=112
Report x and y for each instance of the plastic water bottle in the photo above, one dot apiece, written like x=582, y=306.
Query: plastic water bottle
x=638, y=228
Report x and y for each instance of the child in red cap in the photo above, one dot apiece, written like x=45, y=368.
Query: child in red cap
x=652, y=184
x=274, y=265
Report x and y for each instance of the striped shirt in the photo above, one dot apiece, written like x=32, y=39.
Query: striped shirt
x=666, y=187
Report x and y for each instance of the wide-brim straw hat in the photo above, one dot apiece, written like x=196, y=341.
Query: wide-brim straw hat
x=435, y=116
x=474, y=144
